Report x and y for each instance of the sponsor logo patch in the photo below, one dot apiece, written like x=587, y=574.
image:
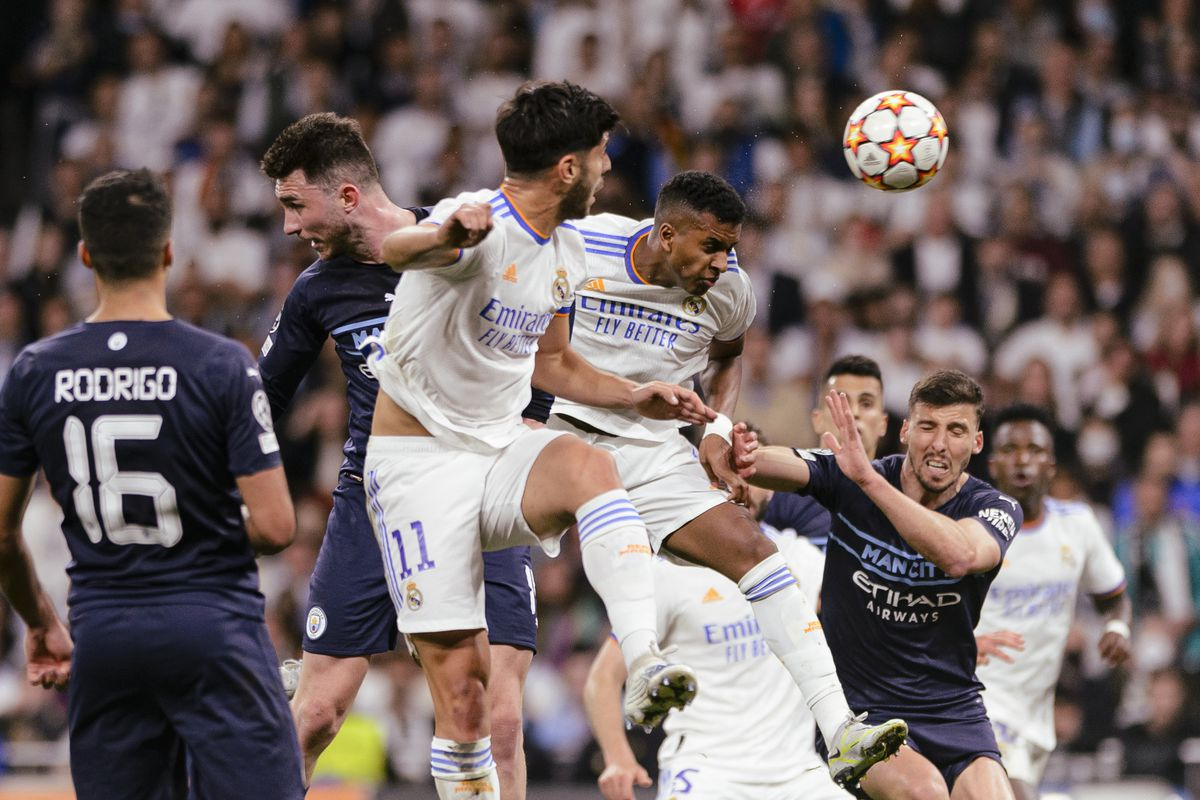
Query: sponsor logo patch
x=1000, y=520
x=317, y=622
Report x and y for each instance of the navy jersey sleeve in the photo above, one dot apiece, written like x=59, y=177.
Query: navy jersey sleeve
x=1000, y=515
x=420, y=212
x=539, y=406
x=824, y=475
x=18, y=457
x=249, y=431
x=292, y=345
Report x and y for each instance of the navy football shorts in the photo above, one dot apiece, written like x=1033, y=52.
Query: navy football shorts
x=165, y=692
x=951, y=739
x=350, y=611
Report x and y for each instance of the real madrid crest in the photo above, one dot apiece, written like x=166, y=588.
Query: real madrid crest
x=413, y=596
x=695, y=305
x=561, y=288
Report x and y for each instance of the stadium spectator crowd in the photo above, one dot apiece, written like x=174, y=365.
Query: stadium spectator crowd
x=1057, y=259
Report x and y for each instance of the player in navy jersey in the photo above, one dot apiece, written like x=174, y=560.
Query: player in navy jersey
x=152, y=433
x=859, y=378
x=328, y=184
x=915, y=543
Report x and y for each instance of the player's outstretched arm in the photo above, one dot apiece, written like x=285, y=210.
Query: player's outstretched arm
x=271, y=524
x=47, y=644
x=561, y=371
x=602, y=701
x=957, y=547
x=777, y=468
x=426, y=246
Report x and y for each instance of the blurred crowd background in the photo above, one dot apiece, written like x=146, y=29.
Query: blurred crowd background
x=1057, y=258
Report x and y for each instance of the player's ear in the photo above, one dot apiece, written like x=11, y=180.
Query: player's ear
x=666, y=235
x=978, y=446
x=349, y=197
x=904, y=432
x=168, y=254
x=84, y=255
x=568, y=168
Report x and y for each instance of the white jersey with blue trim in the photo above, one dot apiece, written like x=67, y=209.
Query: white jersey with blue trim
x=459, y=342
x=748, y=717
x=1034, y=594
x=643, y=332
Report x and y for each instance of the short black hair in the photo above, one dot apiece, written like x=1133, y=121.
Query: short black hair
x=327, y=147
x=1024, y=412
x=125, y=221
x=855, y=365
x=701, y=192
x=948, y=387
x=546, y=120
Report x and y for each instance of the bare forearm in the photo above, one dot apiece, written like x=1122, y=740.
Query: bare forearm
x=417, y=247
x=953, y=548
x=602, y=702
x=722, y=383
x=1117, y=608
x=565, y=374
x=20, y=583
x=779, y=468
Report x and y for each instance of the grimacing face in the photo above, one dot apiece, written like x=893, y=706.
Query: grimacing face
x=700, y=252
x=313, y=213
x=1022, y=461
x=865, y=394
x=941, y=441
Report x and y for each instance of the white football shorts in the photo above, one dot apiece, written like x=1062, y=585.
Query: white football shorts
x=435, y=508
x=1023, y=760
x=665, y=481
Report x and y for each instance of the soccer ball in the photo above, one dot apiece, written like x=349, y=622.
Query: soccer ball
x=895, y=141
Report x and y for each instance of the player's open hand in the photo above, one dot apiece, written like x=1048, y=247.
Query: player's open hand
x=660, y=400
x=48, y=655
x=743, y=453
x=617, y=780
x=1114, y=648
x=467, y=226
x=847, y=445
x=991, y=645
x=716, y=456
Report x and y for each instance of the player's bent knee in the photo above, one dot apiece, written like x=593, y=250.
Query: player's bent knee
x=593, y=469
x=318, y=720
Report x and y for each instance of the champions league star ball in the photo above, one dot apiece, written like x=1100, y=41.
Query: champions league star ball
x=895, y=141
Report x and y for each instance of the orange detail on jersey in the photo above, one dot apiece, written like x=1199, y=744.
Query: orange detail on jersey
x=815, y=625
x=635, y=549
x=855, y=137
x=899, y=149
x=510, y=274
x=712, y=596
x=517, y=211
x=595, y=285
x=895, y=102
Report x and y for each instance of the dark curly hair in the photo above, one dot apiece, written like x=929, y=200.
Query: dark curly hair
x=329, y=149
x=545, y=121
x=701, y=192
x=125, y=221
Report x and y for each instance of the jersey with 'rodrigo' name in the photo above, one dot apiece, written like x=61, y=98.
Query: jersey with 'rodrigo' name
x=460, y=340
x=1034, y=595
x=900, y=629
x=142, y=428
x=643, y=332
x=749, y=712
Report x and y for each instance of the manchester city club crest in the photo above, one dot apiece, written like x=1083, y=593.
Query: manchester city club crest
x=413, y=596
x=695, y=305
x=561, y=288
x=317, y=622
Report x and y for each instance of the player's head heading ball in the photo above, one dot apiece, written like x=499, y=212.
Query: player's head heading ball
x=327, y=148
x=125, y=224
x=695, y=192
x=545, y=121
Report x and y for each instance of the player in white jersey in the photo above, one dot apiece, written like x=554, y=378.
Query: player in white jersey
x=666, y=300
x=450, y=469
x=1060, y=551
x=728, y=744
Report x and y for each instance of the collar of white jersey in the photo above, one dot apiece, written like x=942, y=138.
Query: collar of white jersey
x=504, y=207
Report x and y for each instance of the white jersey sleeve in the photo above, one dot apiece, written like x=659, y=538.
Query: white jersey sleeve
x=459, y=343
x=625, y=325
x=1103, y=575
